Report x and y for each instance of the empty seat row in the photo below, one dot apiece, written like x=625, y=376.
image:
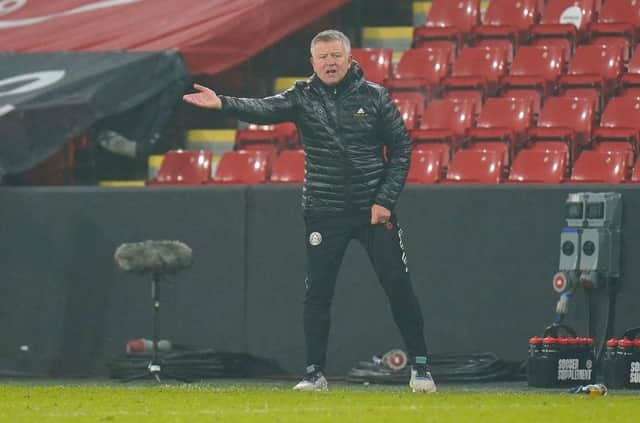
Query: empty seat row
x=193, y=167
x=558, y=22
x=505, y=125
x=531, y=165
x=595, y=71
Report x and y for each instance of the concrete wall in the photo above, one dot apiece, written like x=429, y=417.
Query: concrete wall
x=481, y=260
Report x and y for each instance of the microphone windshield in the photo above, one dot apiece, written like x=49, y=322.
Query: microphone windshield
x=153, y=256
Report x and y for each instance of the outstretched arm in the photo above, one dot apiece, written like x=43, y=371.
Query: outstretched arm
x=274, y=109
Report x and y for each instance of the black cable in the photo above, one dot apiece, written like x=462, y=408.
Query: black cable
x=478, y=367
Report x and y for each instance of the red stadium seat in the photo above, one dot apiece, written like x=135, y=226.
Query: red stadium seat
x=288, y=167
x=444, y=122
x=547, y=146
x=416, y=98
x=564, y=120
x=447, y=23
x=477, y=69
x=534, y=74
x=618, y=22
x=506, y=21
x=184, y=167
x=501, y=126
x=540, y=167
x=408, y=111
x=511, y=116
x=619, y=127
x=425, y=167
x=593, y=72
x=620, y=11
x=635, y=173
x=442, y=150
x=634, y=64
x=375, y=63
x=420, y=69
x=599, y=167
x=630, y=82
x=564, y=23
x=502, y=149
x=621, y=113
x=278, y=137
x=617, y=146
x=243, y=167
x=468, y=166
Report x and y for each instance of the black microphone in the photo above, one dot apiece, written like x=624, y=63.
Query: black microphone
x=153, y=256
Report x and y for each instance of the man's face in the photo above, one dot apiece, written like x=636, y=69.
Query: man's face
x=330, y=61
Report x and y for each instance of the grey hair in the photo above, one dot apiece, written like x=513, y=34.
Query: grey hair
x=331, y=35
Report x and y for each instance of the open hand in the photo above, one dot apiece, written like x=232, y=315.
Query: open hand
x=205, y=97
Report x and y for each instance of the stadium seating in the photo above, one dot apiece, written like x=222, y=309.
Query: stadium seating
x=593, y=72
x=564, y=23
x=565, y=123
x=425, y=167
x=501, y=126
x=618, y=22
x=375, y=63
x=477, y=69
x=479, y=167
x=288, y=167
x=598, y=167
x=243, y=167
x=533, y=74
x=420, y=70
x=517, y=94
x=544, y=167
x=448, y=23
x=417, y=98
x=630, y=81
x=184, y=167
x=619, y=127
x=266, y=137
x=443, y=127
x=506, y=23
x=635, y=173
x=408, y=111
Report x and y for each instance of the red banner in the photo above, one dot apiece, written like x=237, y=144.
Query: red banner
x=212, y=35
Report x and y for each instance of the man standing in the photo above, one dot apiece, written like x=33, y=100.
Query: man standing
x=350, y=190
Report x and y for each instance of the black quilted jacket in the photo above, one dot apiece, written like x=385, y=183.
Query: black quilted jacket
x=343, y=130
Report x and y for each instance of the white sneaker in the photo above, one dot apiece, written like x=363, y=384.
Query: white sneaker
x=312, y=382
x=422, y=382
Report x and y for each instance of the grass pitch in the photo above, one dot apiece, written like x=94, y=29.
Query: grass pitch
x=241, y=401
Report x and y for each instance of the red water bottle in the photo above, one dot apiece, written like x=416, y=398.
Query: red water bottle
x=625, y=349
x=535, y=347
x=610, y=349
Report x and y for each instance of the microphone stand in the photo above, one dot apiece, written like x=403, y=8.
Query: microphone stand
x=154, y=368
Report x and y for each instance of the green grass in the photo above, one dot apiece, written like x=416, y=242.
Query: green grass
x=275, y=402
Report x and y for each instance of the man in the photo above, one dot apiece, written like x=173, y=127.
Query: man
x=350, y=190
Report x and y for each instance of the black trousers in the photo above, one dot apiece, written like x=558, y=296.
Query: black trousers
x=327, y=241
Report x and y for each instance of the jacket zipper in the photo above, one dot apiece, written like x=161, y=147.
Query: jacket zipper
x=345, y=163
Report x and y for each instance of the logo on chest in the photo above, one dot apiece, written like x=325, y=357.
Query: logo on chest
x=360, y=113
